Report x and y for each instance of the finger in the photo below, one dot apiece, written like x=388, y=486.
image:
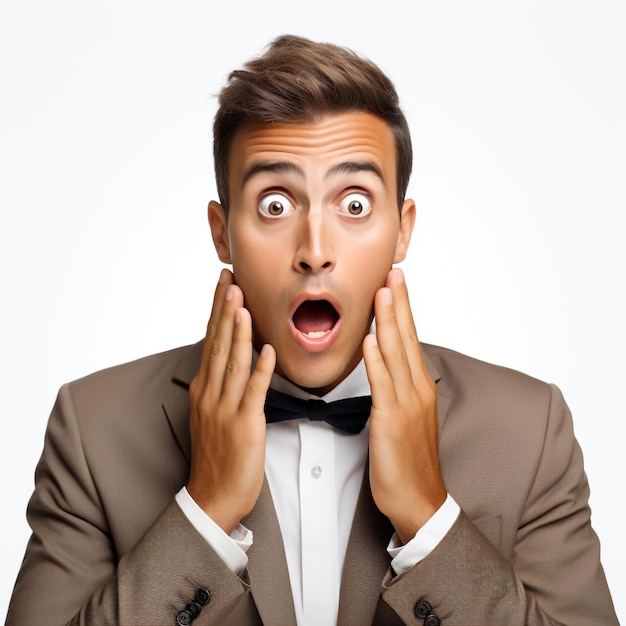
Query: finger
x=406, y=323
x=390, y=341
x=221, y=345
x=225, y=279
x=253, y=401
x=237, y=371
x=381, y=384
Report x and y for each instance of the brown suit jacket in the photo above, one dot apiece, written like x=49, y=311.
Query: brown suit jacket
x=110, y=546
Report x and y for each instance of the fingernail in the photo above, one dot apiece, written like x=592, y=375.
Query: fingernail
x=223, y=276
x=399, y=276
x=372, y=340
x=265, y=351
x=237, y=317
x=230, y=293
x=388, y=297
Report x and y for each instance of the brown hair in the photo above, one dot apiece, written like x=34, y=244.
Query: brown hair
x=298, y=80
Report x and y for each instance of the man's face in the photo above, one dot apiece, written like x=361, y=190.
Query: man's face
x=312, y=231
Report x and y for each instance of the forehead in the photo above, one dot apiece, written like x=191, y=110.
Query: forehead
x=322, y=144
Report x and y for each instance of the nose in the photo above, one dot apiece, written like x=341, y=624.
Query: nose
x=315, y=247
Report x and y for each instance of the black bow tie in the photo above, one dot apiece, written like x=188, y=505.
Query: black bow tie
x=350, y=414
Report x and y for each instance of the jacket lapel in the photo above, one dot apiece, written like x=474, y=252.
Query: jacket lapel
x=267, y=564
x=443, y=396
x=176, y=404
x=366, y=561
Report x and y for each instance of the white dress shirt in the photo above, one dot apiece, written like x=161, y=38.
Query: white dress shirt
x=314, y=473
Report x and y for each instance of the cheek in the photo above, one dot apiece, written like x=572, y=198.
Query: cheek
x=249, y=258
x=258, y=275
x=257, y=293
x=371, y=261
x=256, y=279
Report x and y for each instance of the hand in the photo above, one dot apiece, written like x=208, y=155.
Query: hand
x=405, y=475
x=227, y=423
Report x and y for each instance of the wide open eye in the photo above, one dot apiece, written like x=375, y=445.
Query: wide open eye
x=275, y=205
x=355, y=205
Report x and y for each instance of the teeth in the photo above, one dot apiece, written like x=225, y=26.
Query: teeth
x=316, y=334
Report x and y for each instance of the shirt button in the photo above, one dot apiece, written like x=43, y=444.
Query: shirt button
x=316, y=471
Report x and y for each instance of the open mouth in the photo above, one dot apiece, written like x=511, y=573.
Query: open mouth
x=315, y=318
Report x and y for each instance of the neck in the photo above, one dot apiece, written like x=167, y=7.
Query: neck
x=324, y=389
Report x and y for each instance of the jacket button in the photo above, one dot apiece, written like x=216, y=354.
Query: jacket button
x=183, y=618
x=203, y=596
x=432, y=620
x=193, y=608
x=422, y=610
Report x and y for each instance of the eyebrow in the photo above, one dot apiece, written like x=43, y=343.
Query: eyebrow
x=275, y=167
x=279, y=167
x=350, y=167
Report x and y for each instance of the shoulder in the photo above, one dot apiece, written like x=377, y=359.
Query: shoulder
x=484, y=403
x=137, y=386
x=496, y=426
x=461, y=375
x=123, y=434
x=152, y=370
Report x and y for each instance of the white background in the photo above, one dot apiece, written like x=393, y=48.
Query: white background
x=517, y=113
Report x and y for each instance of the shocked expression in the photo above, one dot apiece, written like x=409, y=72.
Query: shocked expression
x=312, y=230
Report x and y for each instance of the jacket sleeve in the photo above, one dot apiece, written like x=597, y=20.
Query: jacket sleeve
x=555, y=576
x=71, y=573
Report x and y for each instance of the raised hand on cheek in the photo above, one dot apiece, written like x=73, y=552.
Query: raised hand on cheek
x=405, y=475
x=227, y=422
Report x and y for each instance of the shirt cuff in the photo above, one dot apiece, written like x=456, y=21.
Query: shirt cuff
x=231, y=549
x=426, y=539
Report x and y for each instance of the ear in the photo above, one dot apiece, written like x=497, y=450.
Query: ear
x=407, y=221
x=219, y=231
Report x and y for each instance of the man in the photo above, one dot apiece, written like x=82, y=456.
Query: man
x=191, y=486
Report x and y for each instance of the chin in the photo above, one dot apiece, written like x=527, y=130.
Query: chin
x=317, y=375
